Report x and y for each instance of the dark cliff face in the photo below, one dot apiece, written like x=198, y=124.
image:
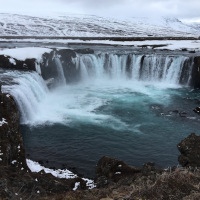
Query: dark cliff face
x=195, y=82
x=11, y=144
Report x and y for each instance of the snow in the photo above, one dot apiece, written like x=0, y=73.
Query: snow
x=12, y=61
x=13, y=162
x=166, y=44
x=65, y=24
x=36, y=167
x=76, y=186
x=3, y=122
x=25, y=53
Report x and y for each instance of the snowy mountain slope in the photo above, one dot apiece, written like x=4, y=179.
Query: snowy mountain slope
x=92, y=26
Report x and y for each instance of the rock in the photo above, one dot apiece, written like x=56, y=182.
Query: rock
x=197, y=110
x=195, y=80
x=63, y=57
x=11, y=144
x=190, y=151
x=12, y=63
x=110, y=169
x=85, y=51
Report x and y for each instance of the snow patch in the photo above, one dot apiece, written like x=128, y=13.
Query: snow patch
x=3, y=122
x=13, y=162
x=76, y=186
x=12, y=61
x=36, y=167
x=25, y=53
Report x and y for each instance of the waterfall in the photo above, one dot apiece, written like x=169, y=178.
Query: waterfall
x=59, y=67
x=28, y=89
x=157, y=68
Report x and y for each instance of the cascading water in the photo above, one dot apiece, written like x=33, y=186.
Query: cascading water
x=147, y=68
x=122, y=107
x=28, y=89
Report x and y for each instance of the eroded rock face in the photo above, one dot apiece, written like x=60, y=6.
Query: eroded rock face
x=190, y=151
x=11, y=144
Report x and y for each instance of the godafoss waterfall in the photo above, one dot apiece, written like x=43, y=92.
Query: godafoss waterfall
x=78, y=105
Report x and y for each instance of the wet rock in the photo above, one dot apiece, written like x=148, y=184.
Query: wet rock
x=64, y=58
x=190, y=151
x=195, y=80
x=197, y=110
x=85, y=51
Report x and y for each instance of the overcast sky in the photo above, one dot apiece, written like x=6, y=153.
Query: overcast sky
x=115, y=8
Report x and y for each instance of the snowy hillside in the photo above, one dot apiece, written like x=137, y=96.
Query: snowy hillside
x=91, y=26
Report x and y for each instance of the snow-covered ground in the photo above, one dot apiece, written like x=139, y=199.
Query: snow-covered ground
x=24, y=53
x=62, y=24
x=36, y=52
x=3, y=121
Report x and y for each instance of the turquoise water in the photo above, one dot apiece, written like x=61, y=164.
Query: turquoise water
x=137, y=122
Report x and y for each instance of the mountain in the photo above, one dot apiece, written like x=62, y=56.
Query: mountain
x=92, y=26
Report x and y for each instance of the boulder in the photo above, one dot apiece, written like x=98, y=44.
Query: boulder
x=197, y=110
x=110, y=169
x=190, y=151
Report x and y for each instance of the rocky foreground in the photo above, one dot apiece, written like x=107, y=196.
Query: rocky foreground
x=114, y=179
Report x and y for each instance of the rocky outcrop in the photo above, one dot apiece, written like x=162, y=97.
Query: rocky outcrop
x=8, y=62
x=110, y=169
x=11, y=143
x=63, y=57
x=195, y=81
x=190, y=151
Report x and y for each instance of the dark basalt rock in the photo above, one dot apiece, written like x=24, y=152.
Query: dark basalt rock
x=195, y=81
x=110, y=169
x=85, y=51
x=11, y=144
x=11, y=63
x=190, y=151
x=65, y=57
x=197, y=110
